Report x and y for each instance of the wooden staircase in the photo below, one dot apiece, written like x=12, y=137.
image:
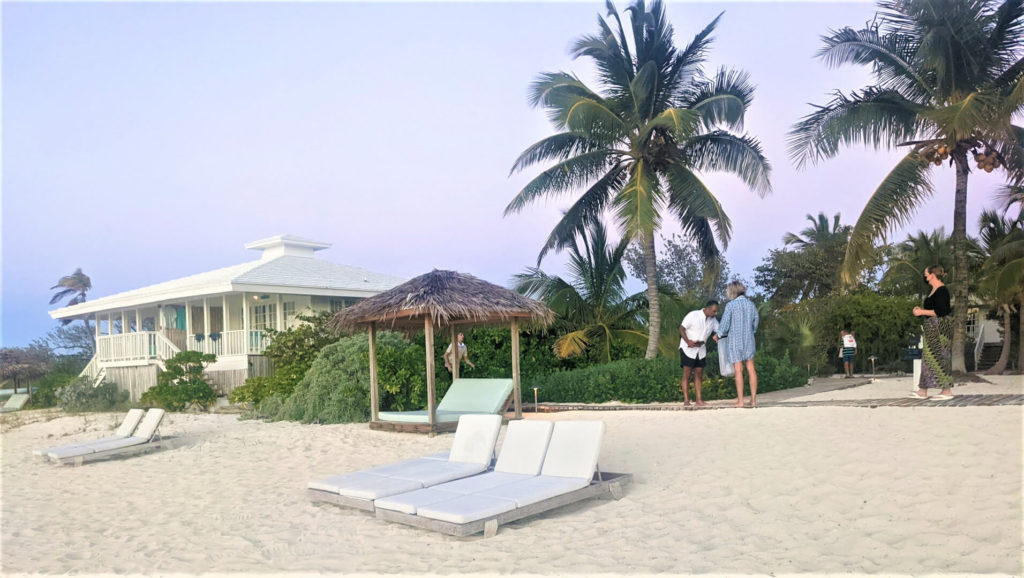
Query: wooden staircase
x=989, y=356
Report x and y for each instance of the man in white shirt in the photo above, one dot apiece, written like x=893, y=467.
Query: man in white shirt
x=463, y=355
x=696, y=328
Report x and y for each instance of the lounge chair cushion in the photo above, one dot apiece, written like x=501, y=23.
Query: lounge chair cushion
x=364, y=486
x=433, y=472
x=526, y=443
x=150, y=424
x=15, y=402
x=476, y=395
x=409, y=502
x=420, y=416
x=573, y=450
x=535, y=489
x=483, y=482
x=131, y=421
x=465, y=509
x=475, y=438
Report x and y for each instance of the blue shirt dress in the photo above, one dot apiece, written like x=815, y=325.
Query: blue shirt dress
x=739, y=323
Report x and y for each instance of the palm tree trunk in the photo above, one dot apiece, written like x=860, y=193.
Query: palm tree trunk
x=959, y=242
x=1004, y=355
x=650, y=273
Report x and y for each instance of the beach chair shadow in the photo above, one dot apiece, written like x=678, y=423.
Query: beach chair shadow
x=472, y=452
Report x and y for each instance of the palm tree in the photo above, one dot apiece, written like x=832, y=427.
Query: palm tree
x=947, y=83
x=1003, y=273
x=819, y=233
x=636, y=146
x=592, y=305
x=908, y=260
x=72, y=287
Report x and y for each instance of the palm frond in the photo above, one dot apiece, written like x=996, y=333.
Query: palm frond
x=872, y=117
x=558, y=147
x=562, y=178
x=636, y=206
x=891, y=55
x=724, y=99
x=739, y=155
x=585, y=211
x=891, y=205
x=690, y=198
x=571, y=344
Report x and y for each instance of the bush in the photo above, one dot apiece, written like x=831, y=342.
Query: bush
x=44, y=391
x=181, y=386
x=80, y=395
x=655, y=380
x=292, y=352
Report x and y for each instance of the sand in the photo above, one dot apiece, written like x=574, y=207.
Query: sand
x=732, y=491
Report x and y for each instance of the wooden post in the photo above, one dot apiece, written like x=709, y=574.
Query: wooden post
x=517, y=393
x=279, y=315
x=138, y=322
x=188, y=320
x=455, y=356
x=374, y=395
x=428, y=328
x=245, y=323
x=225, y=316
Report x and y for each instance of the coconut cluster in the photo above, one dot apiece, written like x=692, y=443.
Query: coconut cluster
x=936, y=153
x=987, y=161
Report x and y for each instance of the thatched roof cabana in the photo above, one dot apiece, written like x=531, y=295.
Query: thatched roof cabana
x=436, y=300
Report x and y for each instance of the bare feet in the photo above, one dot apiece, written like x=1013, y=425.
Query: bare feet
x=700, y=403
x=686, y=403
x=740, y=404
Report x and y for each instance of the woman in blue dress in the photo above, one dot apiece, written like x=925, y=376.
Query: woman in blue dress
x=739, y=323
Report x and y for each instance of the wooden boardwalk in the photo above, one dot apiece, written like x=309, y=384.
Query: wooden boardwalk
x=957, y=401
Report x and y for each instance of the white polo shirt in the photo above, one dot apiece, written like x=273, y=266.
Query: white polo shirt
x=698, y=328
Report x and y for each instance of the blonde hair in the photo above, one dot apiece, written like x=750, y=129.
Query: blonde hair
x=936, y=270
x=735, y=289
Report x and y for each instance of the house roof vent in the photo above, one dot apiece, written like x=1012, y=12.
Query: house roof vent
x=287, y=245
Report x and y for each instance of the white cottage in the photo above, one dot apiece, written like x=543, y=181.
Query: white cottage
x=225, y=312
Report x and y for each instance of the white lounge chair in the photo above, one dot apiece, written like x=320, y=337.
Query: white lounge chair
x=125, y=430
x=146, y=437
x=471, y=453
x=568, y=476
x=14, y=403
x=521, y=457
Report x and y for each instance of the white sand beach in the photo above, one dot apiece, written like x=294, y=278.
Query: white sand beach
x=891, y=490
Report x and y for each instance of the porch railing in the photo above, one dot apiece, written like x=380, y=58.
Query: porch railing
x=238, y=342
x=137, y=346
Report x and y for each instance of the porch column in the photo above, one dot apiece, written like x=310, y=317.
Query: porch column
x=225, y=316
x=245, y=322
x=97, y=318
x=124, y=323
x=279, y=315
x=455, y=355
x=138, y=321
x=188, y=319
x=110, y=323
x=208, y=348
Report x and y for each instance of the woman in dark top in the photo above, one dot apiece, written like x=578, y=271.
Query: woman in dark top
x=937, y=355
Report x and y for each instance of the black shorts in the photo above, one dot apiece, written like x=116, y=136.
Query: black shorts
x=685, y=361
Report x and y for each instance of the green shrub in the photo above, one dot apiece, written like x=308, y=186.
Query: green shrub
x=80, y=395
x=292, y=351
x=44, y=391
x=181, y=386
x=655, y=380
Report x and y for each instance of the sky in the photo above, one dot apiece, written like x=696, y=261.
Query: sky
x=146, y=142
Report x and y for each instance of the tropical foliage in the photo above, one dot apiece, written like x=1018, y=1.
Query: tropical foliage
x=809, y=264
x=72, y=287
x=1002, y=276
x=947, y=84
x=636, y=145
x=681, y=269
x=181, y=385
x=592, y=307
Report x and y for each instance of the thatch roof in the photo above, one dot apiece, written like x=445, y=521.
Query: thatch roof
x=448, y=297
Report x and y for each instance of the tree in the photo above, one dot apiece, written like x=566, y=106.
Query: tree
x=681, y=269
x=819, y=233
x=636, y=146
x=1003, y=274
x=181, y=385
x=22, y=365
x=948, y=80
x=591, y=305
x=72, y=287
x=73, y=340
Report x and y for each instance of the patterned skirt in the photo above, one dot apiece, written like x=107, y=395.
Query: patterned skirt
x=937, y=355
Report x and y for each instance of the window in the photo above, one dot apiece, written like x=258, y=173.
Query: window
x=264, y=316
x=338, y=303
x=288, y=309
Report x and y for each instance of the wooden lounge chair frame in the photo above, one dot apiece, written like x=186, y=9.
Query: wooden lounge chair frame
x=155, y=441
x=602, y=483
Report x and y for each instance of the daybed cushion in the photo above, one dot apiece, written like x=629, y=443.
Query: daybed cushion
x=364, y=486
x=433, y=472
x=409, y=502
x=150, y=424
x=476, y=395
x=526, y=443
x=535, y=489
x=573, y=450
x=131, y=421
x=465, y=509
x=475, y=439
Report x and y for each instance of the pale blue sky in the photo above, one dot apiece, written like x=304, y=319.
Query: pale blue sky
x=146, y=142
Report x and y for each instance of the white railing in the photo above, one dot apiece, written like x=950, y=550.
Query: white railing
x=979, y=344
x=239, y=342
x=136, y=346
x=164, y=348
x=92, y=369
